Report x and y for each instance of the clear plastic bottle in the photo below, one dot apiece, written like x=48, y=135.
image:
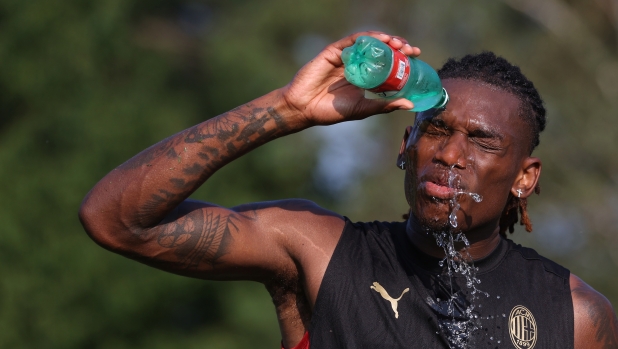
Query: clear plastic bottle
x=376, y=67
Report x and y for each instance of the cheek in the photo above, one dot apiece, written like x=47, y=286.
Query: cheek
x=410, y=183
x=420, y=155
x=495, y=176
x=494, y=184
x=426, y=147
x=415, y=162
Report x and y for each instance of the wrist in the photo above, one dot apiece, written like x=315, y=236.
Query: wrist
x=293, y=113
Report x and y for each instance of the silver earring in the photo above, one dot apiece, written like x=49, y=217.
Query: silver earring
x=402, y=165
x=519, y=191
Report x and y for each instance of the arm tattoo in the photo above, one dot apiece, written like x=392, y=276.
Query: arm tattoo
x=215, y=143
x=227, y=129
x=200, y=236
x=163, y=148
x=605, y=323
x=223, y=127
x=601, y=315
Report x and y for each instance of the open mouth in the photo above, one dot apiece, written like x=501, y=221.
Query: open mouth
x=439, y=191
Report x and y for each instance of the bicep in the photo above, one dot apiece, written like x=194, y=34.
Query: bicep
x=208, y=241
x=255, y=241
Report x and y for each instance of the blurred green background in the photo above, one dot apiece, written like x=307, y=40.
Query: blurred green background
x=84, y=85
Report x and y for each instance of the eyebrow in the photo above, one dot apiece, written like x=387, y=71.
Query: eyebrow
x=478, y=132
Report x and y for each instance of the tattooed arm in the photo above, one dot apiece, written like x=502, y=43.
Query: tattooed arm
x=596, y=325
x=141, y=210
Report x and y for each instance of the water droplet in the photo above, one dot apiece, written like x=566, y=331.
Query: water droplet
x=498, y=297
x=503, y=315
x=453, y=219
x=491, y=338
x=476, y=197
x=498, y=342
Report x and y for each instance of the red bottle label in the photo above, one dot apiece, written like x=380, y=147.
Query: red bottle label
x=400, y=72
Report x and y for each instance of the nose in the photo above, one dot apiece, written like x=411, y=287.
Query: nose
x=453, y=151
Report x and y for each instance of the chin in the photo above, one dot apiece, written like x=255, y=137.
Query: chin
x=434, y=224
x=433, y=217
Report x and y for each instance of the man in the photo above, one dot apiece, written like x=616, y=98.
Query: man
x=365, y=285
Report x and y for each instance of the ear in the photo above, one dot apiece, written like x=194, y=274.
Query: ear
x=527, y=178
x=402, y=149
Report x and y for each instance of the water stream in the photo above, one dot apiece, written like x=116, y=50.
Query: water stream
x=458, y=320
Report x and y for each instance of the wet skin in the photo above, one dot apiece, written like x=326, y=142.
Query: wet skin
x=483, y=140
x=141, y=210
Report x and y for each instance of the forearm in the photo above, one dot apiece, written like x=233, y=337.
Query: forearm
x=142, y=191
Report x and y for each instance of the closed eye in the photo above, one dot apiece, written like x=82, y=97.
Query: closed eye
x=488, y=143
x=434, y=127
x=486, y=139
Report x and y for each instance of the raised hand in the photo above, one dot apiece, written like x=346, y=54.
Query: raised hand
x=322, y=96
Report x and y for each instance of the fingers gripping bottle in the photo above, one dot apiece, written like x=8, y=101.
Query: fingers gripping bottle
x=374, y=66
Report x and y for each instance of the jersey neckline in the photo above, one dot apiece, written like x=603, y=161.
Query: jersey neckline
x=410, y=254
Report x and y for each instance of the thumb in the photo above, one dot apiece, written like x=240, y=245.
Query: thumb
x=368, y=107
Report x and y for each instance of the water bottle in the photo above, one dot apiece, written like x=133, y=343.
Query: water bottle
x=376, y=67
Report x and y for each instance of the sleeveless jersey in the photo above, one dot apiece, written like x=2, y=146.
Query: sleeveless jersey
x=379, y=291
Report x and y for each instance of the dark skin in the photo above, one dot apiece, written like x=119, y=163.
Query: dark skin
x=141, y=210
x=484, y=146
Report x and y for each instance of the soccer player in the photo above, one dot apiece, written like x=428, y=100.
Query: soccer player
x=340, y=284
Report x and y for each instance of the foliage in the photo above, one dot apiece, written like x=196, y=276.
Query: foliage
x=85, y=85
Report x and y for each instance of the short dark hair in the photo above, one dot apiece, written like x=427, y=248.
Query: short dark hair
x=497, y=71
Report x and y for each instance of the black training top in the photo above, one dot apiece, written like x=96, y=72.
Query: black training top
x=379, y=291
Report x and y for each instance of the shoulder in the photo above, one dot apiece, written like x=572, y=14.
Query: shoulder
x=550, y=266
x=306, y=232
x=596, y=325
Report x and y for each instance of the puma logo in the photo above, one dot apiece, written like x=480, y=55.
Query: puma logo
x=378, y=288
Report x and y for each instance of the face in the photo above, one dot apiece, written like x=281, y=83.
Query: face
x=477, y=144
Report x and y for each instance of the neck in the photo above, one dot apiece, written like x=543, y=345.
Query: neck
x=482, y=241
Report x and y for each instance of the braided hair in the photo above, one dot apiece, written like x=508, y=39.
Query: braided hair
x=496, y=71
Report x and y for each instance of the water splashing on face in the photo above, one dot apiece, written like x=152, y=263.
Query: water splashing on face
x=453, y=182
x=462, y=320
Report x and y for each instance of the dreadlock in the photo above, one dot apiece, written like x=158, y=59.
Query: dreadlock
x=488, y=68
